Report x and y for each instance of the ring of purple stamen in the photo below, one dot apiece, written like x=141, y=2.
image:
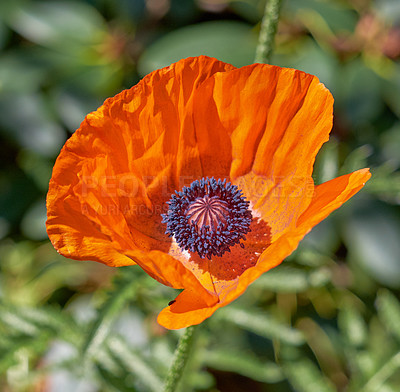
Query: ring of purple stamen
x=208, y=217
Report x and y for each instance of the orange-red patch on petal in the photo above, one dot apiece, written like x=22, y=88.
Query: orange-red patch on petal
x=330, y=195
x=220, y=274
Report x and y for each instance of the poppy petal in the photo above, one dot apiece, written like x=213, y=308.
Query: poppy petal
x=277, y=119
x=113, y=176
x=277, y=203
x=259, y=127
x=69, y=225
x=328, y=197
x=331, y=195
x=220, y=274
x=166, y=270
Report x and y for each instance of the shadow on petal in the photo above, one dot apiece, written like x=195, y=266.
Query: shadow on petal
x=232, y=264
x=220, y=275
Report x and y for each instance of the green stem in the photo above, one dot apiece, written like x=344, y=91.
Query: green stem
x=268, y=29
x=180, y=359
x=376, y=382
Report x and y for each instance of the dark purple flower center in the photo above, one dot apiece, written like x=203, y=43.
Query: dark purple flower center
x=208, y=217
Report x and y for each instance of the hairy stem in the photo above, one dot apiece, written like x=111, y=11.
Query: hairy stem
x=181, y=356
x=268, y=29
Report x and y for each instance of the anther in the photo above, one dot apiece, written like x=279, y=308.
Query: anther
x=208, y=217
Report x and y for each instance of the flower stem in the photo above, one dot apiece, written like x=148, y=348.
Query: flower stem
x=180, y=359
x=268, y=29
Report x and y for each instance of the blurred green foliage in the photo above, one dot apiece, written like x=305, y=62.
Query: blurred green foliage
x=327, y=319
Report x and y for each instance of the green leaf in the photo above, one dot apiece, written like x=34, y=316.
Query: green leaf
x=124, y=290
x=261, y=324
x=19, y=72
x=30, y=124
x=33, y=223
x=115, y=380
x=36, y=167
x=326, y=164
x=245, y=364
x=392, y=89
x=385, y=182
x=389, y=142
x=58, y=24
x=4, y=35
x=389, y=311
x=252, y=10
x=35, y=347
x=358, y=97
x=311, y=58
x=353, y=326
x=17, y=323
x=388, y=369
x=72, y=106
x=285, y=279
x=33, y=321
x=316, y=246
x=304, y=376
x=371, y=235
x=133, y=363
x=337, y=15
x=214, y=39
x=356, y=159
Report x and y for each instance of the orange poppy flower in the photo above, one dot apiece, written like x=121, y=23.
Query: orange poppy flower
x=237, y=146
